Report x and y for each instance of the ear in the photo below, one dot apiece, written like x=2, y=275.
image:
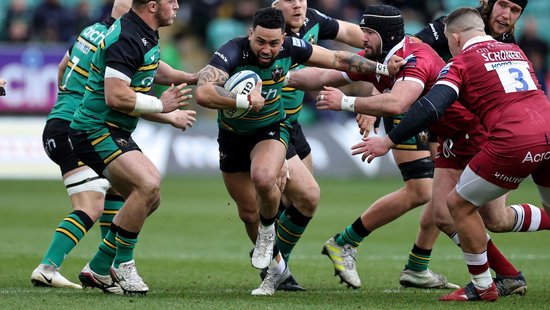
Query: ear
x=152, y=6
x=250, y=32
x=456, y=37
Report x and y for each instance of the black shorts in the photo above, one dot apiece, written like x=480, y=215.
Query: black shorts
x=298, y=142
x=55, y=139
x=420, y=142
x=100, y=147
x=235, y=148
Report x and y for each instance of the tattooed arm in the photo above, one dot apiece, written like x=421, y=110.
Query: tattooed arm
x=210, y=92
x=350, y=62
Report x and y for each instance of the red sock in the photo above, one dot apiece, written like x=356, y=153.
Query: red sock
x=530, y=218
x=498, y=262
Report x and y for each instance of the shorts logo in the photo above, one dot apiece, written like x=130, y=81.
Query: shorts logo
x=122, y=142
x=536, y=158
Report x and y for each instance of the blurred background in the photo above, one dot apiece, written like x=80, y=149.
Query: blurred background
x=34, y=35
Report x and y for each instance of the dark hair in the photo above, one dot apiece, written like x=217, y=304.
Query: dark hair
x=461, y=11
x=270, y=18
x=142, y=2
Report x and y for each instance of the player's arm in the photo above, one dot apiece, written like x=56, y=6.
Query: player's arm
x=397, y=101
x=302, y=79
x=424, y=111
x=119, y=96
x=61, y=68
x=350, y=62
x=166, y=75
x=349, y=33
x=181, y=119
x=210, y=92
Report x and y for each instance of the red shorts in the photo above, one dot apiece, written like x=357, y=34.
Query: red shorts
x=507, y=161
x=457, y=148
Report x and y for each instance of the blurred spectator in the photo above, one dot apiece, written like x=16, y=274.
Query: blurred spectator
x=52, y=22
x=16, y=21
x=536, y=49
x=202, y=12
x=82, y=16
x=224, y=27
x=105, y=9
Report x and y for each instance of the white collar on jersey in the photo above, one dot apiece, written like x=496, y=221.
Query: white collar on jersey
x=477, y=39
x=393, y=50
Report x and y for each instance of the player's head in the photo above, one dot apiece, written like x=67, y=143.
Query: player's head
x=384, y=22
x=294, y=12
x=501, y=16
x=461, y=25
x=120, y=7
x=164, y=11
x=267, y=35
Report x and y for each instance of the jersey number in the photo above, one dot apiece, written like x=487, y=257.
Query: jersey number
x=75, y=61
x=516, y=78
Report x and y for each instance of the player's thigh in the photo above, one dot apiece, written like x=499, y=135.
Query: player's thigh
x=267, y=158
x=133, y=170
x=443, y=183
x=301, y=185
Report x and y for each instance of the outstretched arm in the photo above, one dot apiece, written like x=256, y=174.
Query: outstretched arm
x=397, y=101
x=315, y=78
x=349, y=33
x=350, y=62
x=166, y=75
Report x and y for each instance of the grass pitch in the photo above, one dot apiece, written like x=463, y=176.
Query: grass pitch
x=193, y=253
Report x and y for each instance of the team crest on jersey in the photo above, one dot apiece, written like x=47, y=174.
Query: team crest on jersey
x=410, y=61
x=122, y=142
x=277, y=74
x=423, y=136
x=443, y=73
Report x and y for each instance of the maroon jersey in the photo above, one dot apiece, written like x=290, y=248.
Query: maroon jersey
x=423, y=67
x=494, y=79
x=496, y=82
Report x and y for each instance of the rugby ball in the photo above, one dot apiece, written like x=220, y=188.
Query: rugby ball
x=240, y=83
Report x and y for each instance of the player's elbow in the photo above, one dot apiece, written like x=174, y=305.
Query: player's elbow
x=201, y=95
x=395, y=109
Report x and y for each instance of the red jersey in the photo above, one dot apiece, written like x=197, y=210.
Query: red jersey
x=495, y=81
x=423, y=67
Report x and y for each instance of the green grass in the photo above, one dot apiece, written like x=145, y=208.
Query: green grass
x=193, y=253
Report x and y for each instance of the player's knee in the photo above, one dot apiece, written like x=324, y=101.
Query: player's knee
x=149, y=189
x=308, y=200
x=263, y=181
x=414, y=170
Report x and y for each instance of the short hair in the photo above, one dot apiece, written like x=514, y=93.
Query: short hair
x=464, y=19
x=270, y=18
x=138, y=3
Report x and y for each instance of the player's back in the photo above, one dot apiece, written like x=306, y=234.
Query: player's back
x=71, y=90
x=493, y=78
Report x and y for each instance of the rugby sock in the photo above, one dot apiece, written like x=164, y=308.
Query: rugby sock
x=125, y=244
x=353, y=234
x=419, y=259
x=277, y=264
x=265, y=222
x=290, y=228
x=67, y=235
x=281, y=209
x=530, y=218
x=478, y=267
x=498, y=262
x=113, y=203
x=101, y=262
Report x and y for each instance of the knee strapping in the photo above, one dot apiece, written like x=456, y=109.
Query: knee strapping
x=86, y=180
x=417, y=169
